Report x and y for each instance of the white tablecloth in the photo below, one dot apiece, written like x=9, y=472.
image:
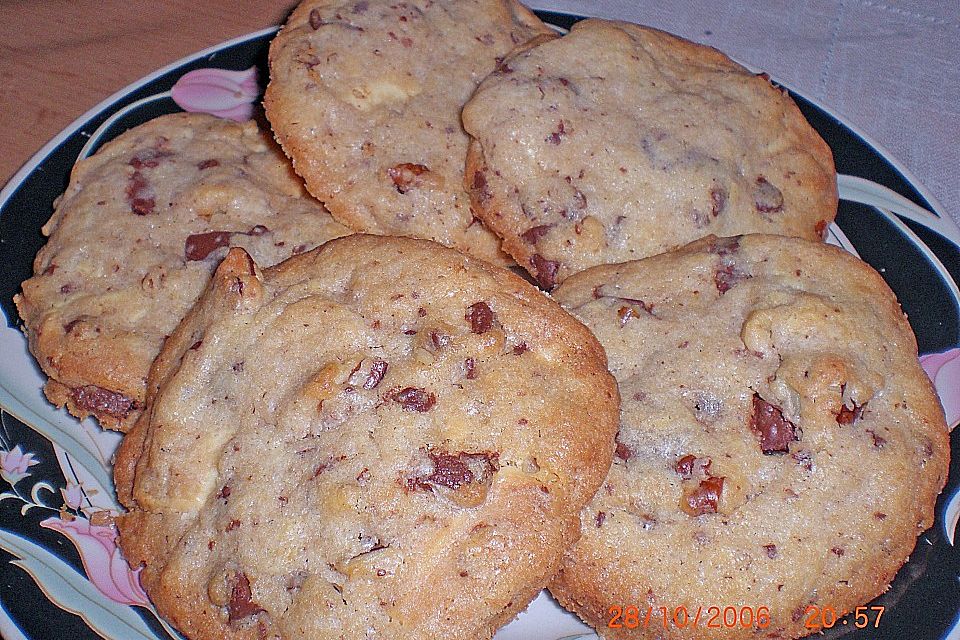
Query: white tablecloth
x=890, y=69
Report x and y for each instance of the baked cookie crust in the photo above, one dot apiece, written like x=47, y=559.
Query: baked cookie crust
x=365, y=97
x=379, y=438
x=779, y=444
x=133, y=241
x=617, y=142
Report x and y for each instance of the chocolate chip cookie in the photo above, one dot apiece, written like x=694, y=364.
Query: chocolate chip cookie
x=779, y=444
x=379, y=438
x=134, y=239
x=365, y=97
x=617, y=142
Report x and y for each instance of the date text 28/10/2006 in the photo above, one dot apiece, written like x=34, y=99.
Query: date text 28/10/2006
x=729, y=617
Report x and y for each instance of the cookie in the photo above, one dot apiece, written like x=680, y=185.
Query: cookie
x=365, y=97
x=133, y=241
x=617, y=142
x=779, y=445
x=379, y=438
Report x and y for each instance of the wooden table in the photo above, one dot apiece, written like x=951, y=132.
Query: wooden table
x=58, y=58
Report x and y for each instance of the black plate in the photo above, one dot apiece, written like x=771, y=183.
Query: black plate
x=922, y=603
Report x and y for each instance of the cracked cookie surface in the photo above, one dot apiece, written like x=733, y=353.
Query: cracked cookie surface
x=779, y=444
x=617, y=142
x=379, y=438
x=365, y=97
x=133, y=241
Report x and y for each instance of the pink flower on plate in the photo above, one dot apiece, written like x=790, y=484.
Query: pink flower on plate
x=72, y=495
x=14, y=465
x=944, y=370
x=102, y=560
x=223, y=93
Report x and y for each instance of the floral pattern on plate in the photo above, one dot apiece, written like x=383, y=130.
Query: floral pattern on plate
x=219, y=92
x=944, y=370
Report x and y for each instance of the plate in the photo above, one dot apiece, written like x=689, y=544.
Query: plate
x=61, y=572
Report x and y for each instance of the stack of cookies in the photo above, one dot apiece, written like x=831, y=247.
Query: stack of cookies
x=350, y=417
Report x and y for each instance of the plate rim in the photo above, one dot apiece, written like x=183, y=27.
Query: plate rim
x=111, y=101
